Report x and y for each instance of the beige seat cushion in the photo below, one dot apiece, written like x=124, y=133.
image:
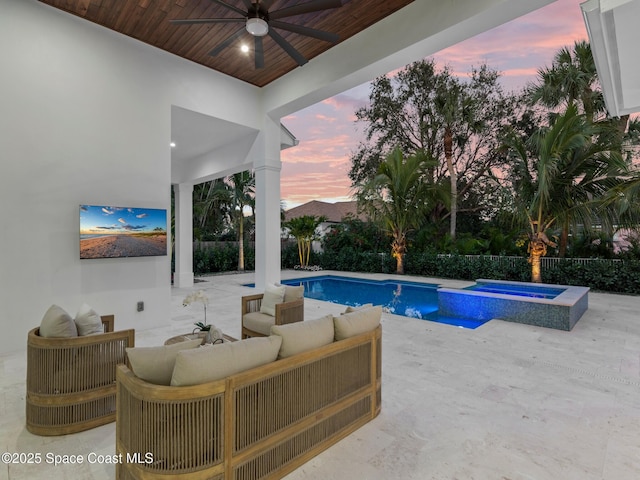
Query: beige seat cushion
x=57, y=323
x=155, y=364
x=292, y=293
x=350, y=309
x=259, y=322
x=357, y=322
x=300, y=337
x=272, y=296
x=87, y=321
x=215, y=362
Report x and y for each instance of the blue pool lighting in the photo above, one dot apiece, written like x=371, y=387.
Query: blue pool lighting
x=551, y=306
x=409, y=299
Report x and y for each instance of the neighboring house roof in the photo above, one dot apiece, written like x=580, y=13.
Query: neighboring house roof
x=334, y=212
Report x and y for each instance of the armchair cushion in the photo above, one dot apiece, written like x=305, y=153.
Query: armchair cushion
x=208, y=364
x=357, y=322
x=302, y=336
x=155, y=364
x=57, y=323
x=272, y=295
x=350, y=309
x=293, y=293
x=259, y=322
x=87, y=321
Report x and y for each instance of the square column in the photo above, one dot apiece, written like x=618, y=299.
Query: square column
x=267, y=168
x=183, y=276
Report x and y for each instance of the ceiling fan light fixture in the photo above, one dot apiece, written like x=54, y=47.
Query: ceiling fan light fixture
x=257, y=27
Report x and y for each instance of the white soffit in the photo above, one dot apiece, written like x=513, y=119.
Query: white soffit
x=614, y=36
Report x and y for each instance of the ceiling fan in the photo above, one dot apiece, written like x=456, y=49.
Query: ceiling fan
x=259, y=21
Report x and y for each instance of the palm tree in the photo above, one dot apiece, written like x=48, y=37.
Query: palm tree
x=210, y=207
x=562, y=174
x=450, y=103
x=304, y=230
x=572, y=79
x=398, y=196
x=242, y=190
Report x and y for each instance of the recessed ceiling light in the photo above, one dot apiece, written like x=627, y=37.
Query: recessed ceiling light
x=172, y=144
x=244, y=48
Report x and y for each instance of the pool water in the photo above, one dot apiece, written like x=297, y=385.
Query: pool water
x=519, y=290
x=409, y=299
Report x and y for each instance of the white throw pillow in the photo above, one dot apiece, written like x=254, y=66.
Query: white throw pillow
x=87, y=321
x=299, y=337
x=211, y=363
x=155, y=364
x=272, y=296
x=357, y=322
x=292, y=293
x=57, y=323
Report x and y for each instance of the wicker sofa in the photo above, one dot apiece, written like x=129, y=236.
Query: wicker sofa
x=260, y=423
x=71, y=381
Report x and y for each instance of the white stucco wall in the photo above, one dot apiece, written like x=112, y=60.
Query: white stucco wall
x=85, y=119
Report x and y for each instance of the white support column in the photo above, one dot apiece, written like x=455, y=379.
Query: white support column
x=183, y=194
x=267, y=171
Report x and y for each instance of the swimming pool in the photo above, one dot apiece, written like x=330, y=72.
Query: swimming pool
x=409, y=299
x=551, y=306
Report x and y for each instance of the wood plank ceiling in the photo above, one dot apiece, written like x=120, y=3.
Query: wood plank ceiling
x=148, y=21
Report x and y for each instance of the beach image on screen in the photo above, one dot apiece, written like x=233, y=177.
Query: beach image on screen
x=113, y=232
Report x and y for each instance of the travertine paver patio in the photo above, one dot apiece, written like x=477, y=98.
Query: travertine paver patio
x=505, y=401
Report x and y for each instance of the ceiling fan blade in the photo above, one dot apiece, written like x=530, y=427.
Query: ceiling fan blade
x=230, y=7
x=312, y=6
x=230, y=39
x=259, y=53
x=194, y=21
x=287, y=47
x=266, y=4
x=307, y=31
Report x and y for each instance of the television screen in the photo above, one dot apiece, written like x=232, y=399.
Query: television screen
x=114, y=232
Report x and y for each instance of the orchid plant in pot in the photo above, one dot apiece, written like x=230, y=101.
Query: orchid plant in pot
x=201, y=297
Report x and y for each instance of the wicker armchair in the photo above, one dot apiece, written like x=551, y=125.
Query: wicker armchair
x=257, y=324
x=71, y=381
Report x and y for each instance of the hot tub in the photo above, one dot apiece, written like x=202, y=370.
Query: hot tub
x=543, y=305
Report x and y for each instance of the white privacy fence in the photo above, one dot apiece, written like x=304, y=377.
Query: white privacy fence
x=546, y=261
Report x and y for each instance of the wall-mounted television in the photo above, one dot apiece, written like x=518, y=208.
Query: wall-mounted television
x=115, y=232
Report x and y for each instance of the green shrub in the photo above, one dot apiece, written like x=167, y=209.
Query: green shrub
x=222, y=258
x=620, y=277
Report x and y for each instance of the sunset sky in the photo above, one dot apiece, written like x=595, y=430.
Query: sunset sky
x=317, y=168
x=107, y=220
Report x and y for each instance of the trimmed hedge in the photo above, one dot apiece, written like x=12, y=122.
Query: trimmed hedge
x=222, y=258
x=618, y=277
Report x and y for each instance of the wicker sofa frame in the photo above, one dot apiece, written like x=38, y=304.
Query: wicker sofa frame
x=71, y=381
x=286, y=312
x=261, y=423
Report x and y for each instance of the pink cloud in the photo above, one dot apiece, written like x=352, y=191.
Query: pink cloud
x=317, y=168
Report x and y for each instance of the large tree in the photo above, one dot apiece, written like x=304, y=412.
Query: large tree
x=572, y=81
x=562, y=175
x=211, y=208
x=398, y=197
x=242, y=187
x=427, y=110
